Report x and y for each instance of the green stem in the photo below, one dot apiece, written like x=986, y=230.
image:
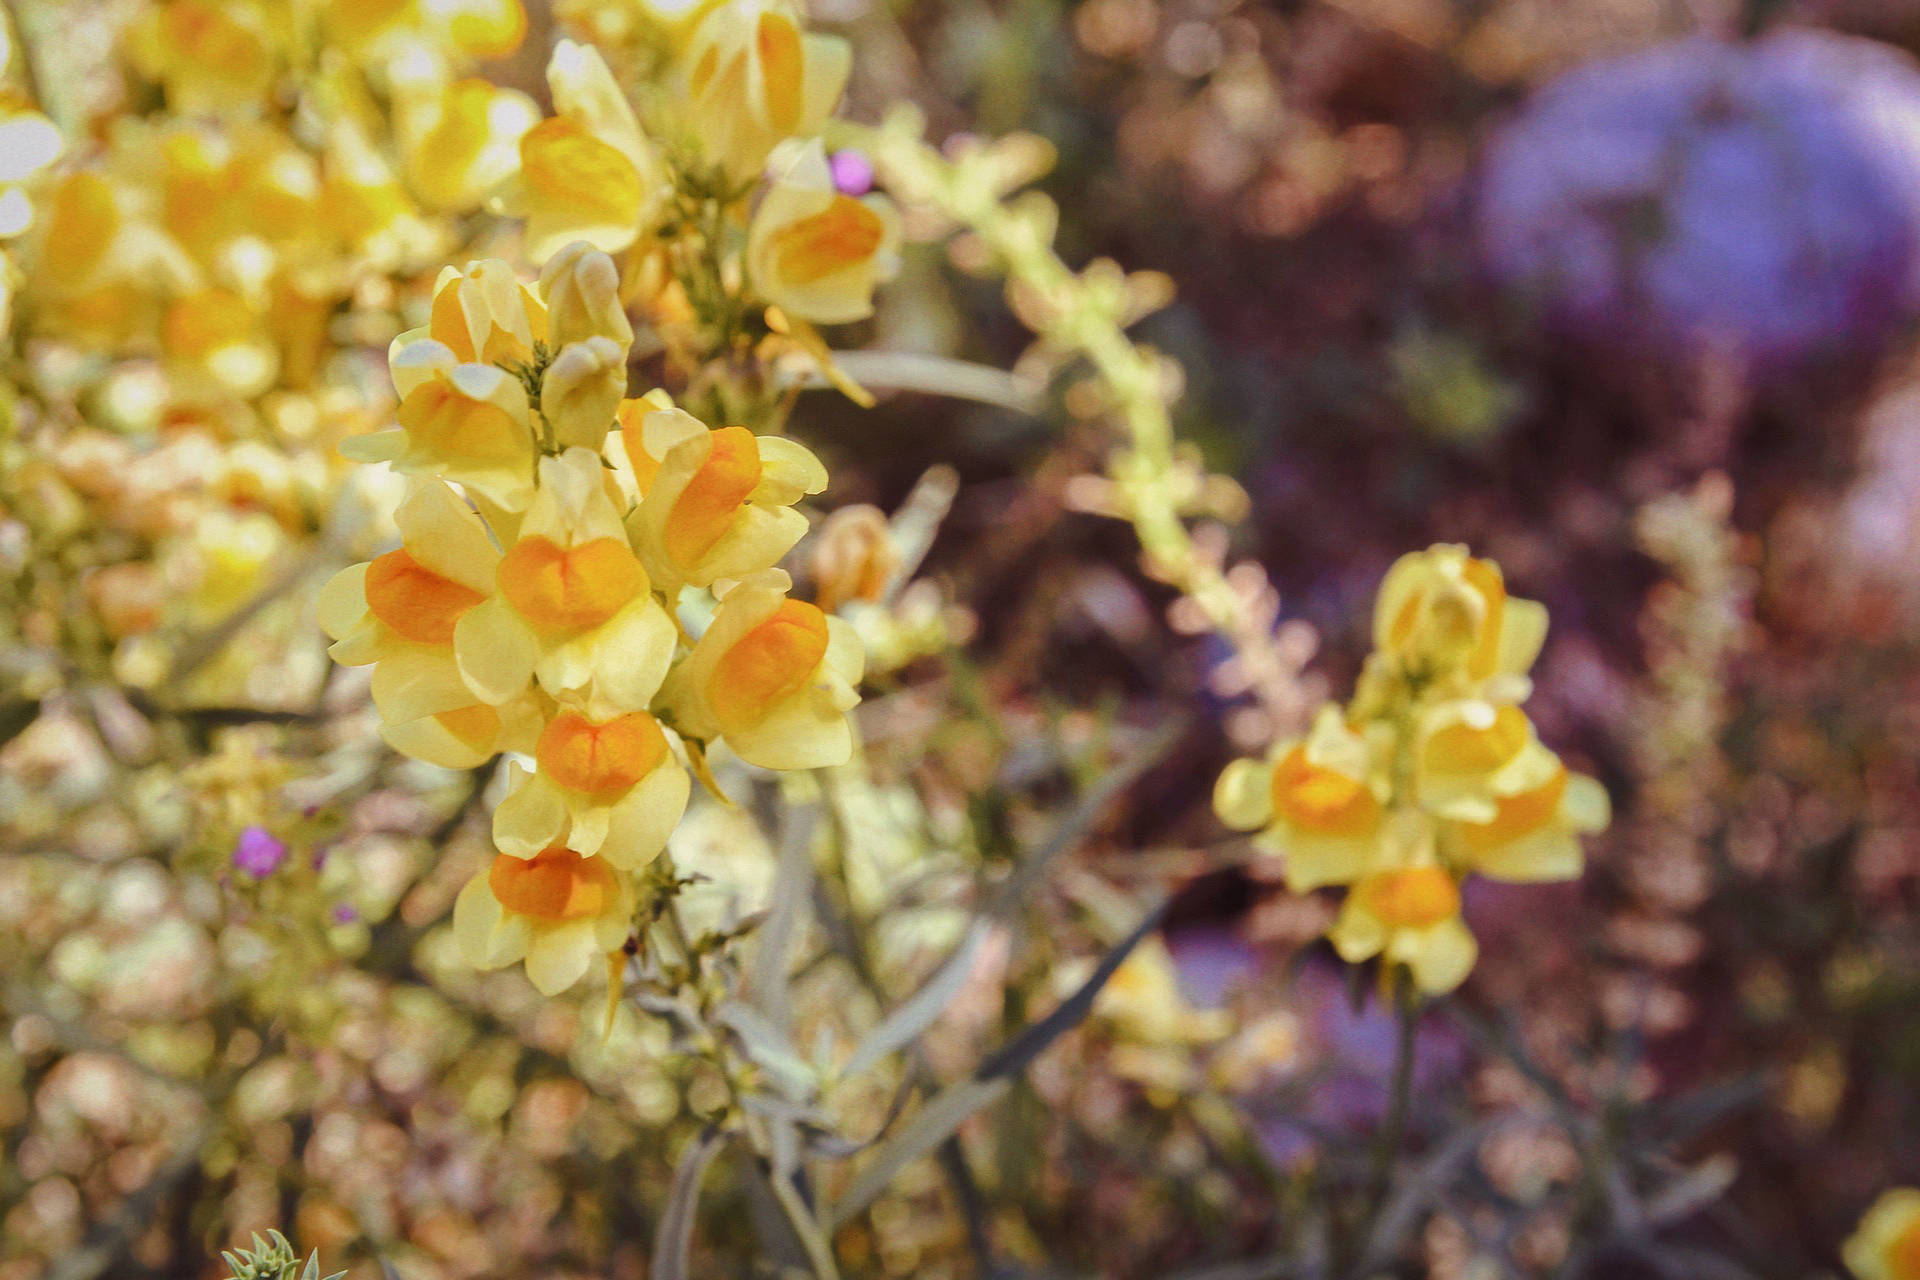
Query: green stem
x=1393, y=1131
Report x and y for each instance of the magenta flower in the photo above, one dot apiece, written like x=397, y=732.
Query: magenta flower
x=257, y=853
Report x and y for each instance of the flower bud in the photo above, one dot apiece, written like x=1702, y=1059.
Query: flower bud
x=582, y=289
x=582, y=391
x=854, y=556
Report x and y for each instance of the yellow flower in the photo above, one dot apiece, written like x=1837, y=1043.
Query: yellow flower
x=556, y=910
x=1317, y=801
x=1144, y=1002
x=363, y=205
x=401, y=612
x=1886, y=1245
x=774, y=677
x=1533, y=834
x=209, y=55
x=755, y=78
x=1409, y=917
x=216, y=334
x=817, y=254
x=582, y=291
x=1441, y=613
x=1472, y=753
x=575, y=609
x=720, y=504
x=611, y=788
x=483, y=28
x=459, y=141
x=588, y=173
x=484, y=315
x=468, y=423
x=99, y=270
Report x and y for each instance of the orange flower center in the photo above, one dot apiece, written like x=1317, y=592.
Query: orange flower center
x=570, y=588
x=600, y=759
x=767, y=665
x=1322, y=800
x=842, y=235
x=416, y=603
x=478, y=725
x=705, y=509
x=561, y=160
x=1903, y=1255
x=553, y=885
x=439, y=418
x=1518, y=816
x=1459, y=748
x=1411, y=899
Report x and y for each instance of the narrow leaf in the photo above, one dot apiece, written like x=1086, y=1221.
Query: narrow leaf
x=920, y=1010
x=673, y=1244
x=949, y=1109
x=929, y=1127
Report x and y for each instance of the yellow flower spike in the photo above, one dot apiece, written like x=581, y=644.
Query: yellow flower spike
x=557, y=911
x=1533, y=834
x=588, y=173
x=721, y=503
x=1316, y=801
x=607, y=787
x=467, y=423
x=1410, y=917
x=582, y=390
x=754, y=78
x=817, y=254
x=575, y=609
x=1886, y=1245
x=401, y=613
x=459, y=141
x=775, y=677
x=210, y=57
x=581, y=286
x=1443, y=614
x=485, y=315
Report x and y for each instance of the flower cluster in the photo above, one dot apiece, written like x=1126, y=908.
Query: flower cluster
x=712, y=181
x=532, y=609
x=1431, y=773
